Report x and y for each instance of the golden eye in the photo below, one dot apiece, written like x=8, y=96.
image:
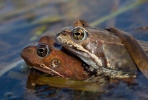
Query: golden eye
x=42, y=50
x=79, y=34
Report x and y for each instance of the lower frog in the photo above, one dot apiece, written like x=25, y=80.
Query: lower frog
x=45, y=57
x=104, y=50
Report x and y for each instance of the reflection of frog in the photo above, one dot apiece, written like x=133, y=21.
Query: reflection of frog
x=46, y=58
x=101, y=49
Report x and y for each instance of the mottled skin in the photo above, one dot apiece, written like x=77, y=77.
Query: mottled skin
x=55, y=62
x=101, y=49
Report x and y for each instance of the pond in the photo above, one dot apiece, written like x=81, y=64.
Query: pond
x=24, y=22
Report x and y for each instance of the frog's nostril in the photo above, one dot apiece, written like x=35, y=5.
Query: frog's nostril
x=64, y=33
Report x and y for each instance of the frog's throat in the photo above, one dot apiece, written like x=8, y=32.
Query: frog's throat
x=47, y=68
x=69, y=44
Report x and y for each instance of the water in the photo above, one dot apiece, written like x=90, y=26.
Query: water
x=22, y=23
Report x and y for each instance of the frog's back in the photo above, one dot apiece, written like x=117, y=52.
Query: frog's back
x=112, y=52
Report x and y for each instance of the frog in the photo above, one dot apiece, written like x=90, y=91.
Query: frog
x=104, y=50
x=47, y=56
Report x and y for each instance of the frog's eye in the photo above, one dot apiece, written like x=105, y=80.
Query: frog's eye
x=42, y=50
x=79, y=34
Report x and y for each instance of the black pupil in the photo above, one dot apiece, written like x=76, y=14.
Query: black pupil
x=78, y=34
x=42, y=50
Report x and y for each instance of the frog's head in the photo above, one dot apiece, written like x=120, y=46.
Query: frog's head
x=81, y=40
x=99, y=48
x=45, y=57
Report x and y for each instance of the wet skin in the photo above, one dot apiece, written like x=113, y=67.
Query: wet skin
x=46, y=58
x=135, y=50
x=102, y=50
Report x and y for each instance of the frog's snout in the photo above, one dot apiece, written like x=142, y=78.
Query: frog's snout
x=64, y=31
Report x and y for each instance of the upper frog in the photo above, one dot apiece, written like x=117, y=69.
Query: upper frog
x=45, y=57
x=102, y=50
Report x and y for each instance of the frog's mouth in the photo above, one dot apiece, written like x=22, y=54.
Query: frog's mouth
x=46, y=69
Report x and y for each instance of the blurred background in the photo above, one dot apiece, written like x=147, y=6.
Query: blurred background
x=25, y=21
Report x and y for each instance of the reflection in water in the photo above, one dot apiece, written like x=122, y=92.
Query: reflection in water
x=37, y=85
x=113, y=89
x=47, y=91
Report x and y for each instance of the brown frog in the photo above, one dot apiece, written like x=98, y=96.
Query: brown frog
x=46, y=58
x=105, y=51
